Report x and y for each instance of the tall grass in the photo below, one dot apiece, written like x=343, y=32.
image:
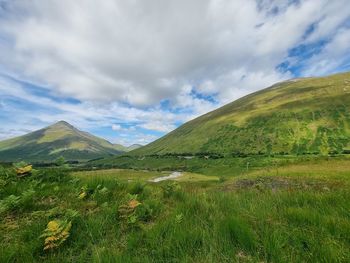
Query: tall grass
x=180, y=222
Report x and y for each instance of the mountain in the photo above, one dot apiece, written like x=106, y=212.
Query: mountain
x=300, y=116
x=123, y=148
x=133, y=147
x=59, y=139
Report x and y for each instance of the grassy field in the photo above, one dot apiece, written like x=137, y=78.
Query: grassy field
x=282, y=212
x=222, y=167
x=136, y=175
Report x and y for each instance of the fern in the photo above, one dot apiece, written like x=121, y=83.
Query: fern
x=56, y=232
x=128, y=211
x=179, y=218
x=9, y=203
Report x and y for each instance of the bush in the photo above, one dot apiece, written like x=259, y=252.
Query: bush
x=19, y=165
x=144, y=212
x=137, y=188
x=59, y=174
x=13, y=202
x=222, y=179
x=6, y=176
x=171, y=189
x=9, y=203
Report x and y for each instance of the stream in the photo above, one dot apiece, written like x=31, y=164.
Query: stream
x=173, y=175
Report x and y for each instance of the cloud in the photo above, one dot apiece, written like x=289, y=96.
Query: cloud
x=158, y=126
x=116, y=127
x=142, y=52
x=333, y=57
x=84, y=115
x=142, y=139
x=115, y=64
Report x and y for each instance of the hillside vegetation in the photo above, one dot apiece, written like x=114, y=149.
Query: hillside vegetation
x=293, y=213
x=301, y=116
x=60, y=139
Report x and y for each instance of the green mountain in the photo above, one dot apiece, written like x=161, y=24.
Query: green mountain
x=60, y=139
x=123, y=148
x=300, y=116
x=132, y=147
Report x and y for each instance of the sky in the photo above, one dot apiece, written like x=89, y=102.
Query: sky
x=132, y=71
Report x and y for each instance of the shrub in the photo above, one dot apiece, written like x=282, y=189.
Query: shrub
x=59, y=174
x=13, y=202
x=7, y=174
x=222, y=179
x=137, y=188
x=171, y=189
x=85, y=192
x=19, y=165
x=9, y=203
x=144, y=212
x=27, y=198
x=23, y=169
x=60, y=161
x=57, y=212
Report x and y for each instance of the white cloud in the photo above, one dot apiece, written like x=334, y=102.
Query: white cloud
x=45, y=111
x=333, y=56
x=116, y=127
x=142, y=139
x=121, y=59
x=142, y=52
x=158, y=126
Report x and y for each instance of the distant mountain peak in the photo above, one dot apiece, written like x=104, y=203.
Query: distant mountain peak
x=133, y=147
x=62, y=123
x=51, y=142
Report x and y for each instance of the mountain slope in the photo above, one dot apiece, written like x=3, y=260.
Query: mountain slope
x=133, y=147
x=60, y=139
x=310, y=115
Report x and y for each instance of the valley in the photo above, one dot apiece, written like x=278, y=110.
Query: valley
x=186, y=131
x=265, y=178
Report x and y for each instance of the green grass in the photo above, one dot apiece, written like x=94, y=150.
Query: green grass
x=293, y=212
x=137, y=175
x=117, y=174
x=225, y=167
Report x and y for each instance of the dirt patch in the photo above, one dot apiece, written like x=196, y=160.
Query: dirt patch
x=276, y=183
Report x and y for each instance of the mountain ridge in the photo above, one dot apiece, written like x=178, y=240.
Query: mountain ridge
x=58, y=139
x=297, y=116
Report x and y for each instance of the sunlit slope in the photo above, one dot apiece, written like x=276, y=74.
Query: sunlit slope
x=310, y=115
x=60, y=139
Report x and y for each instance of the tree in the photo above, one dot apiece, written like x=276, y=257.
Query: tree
x=60, y=161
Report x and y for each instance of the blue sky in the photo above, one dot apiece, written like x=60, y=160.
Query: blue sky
x=131, y=71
